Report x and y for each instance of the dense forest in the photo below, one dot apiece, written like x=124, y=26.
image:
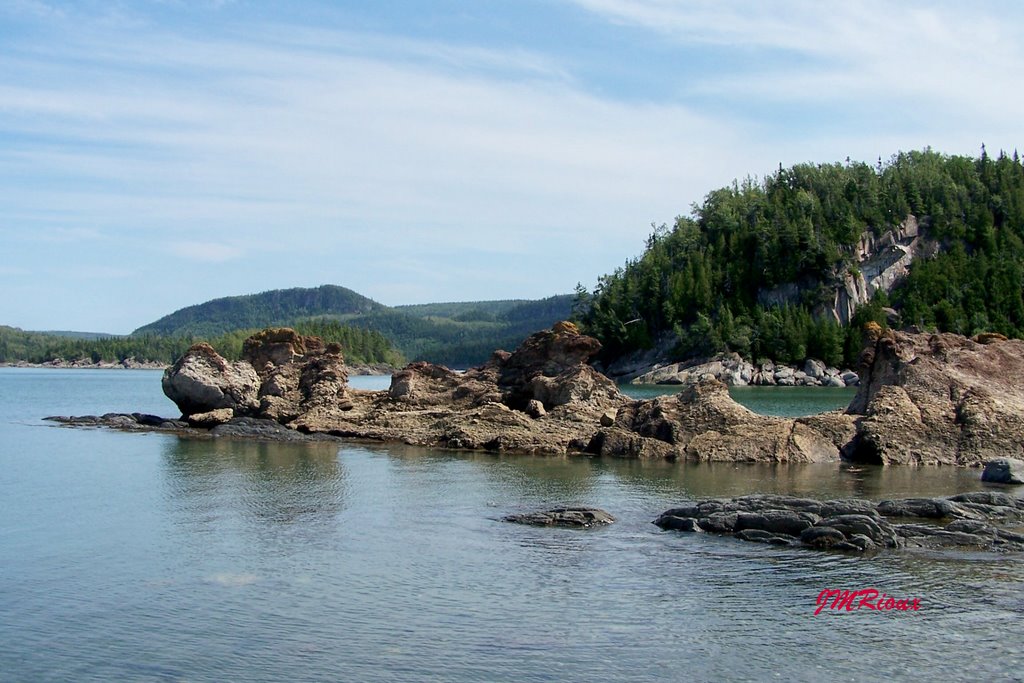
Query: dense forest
x=360, y=345
x=694, y=290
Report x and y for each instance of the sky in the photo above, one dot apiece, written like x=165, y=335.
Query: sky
x=160, y=153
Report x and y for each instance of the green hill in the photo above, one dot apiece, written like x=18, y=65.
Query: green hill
x=458, y=334
x=791, y=266
x=275, y=307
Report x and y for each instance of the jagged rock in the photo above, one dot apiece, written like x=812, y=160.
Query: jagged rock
x=938, y=399
x=1004, y=471
x=202, y=381
x=535, y=409
x=702, y=422
x=278, y=346
x=578, y=517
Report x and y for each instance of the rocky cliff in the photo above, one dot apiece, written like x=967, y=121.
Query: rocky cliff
x=879, y=263
x=939, y=399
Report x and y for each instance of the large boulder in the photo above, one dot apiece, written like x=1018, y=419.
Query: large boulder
x=1004, y=471
x=202, y=381
x=938, y=399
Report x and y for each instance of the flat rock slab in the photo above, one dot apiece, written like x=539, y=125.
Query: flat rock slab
x=573, y=517
x=255, y=429
x=968, y=520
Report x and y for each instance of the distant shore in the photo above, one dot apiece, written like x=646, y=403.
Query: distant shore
x=132, y=364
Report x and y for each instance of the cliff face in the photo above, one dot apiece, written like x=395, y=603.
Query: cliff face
x=939, y=399
x=879, y=264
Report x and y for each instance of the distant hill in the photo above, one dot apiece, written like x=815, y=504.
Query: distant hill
x=69, y=334
x=464, y=334
x=457, y=334
x=275, y=307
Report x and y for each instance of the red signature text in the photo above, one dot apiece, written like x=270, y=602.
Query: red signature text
x=865, y=598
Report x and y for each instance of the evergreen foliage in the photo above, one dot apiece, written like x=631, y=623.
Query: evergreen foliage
x=359, y=345
x=698, y=282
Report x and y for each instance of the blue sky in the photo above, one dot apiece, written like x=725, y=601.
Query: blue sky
x=158, y=154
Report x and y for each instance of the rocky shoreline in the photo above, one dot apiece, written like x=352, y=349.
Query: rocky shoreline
x=733, y=371
x=361, y=369
x=923, y=399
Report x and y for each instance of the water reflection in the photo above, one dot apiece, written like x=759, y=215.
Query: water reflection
x=271, y=482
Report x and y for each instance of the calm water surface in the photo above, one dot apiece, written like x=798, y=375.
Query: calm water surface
x=145, y=557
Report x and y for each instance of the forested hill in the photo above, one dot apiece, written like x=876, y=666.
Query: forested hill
x=771, y=269
x=460, y=334
x=276, y=307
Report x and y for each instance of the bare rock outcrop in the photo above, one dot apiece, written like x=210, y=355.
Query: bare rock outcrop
x=924, y=399
x=979, y=520
x=702, y=422
x=939, y=399
x=202, y=381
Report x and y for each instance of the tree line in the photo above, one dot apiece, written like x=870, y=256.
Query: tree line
x=360, y=345
x=696, y=285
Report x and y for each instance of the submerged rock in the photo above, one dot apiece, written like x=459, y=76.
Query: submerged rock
x=855, y=524
x=577, y=517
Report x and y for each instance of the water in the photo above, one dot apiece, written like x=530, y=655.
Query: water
x=780, y=401
x=145, y=557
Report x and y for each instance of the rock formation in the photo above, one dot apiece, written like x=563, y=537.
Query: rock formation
x=201, y=381
x=574, y=517
x=938, y=399
x=732, y=370
x=974, y=520
x=923, y=399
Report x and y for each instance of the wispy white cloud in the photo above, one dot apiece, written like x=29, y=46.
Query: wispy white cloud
x=959, y=55
x=435, y=168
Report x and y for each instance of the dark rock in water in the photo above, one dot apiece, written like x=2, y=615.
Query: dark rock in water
x=1004, y=471
x=931, y=508
x=263, y=429
x=855, y=525
x=578, y=517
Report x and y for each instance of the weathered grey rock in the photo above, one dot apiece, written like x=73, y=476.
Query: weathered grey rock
x=608, y=418
x=577, y=517
x=850, y=378
x=535, y=409
x=202, y=381
x=929, y=508
x=814, y=368
x=1004, y=471
x=854, y=525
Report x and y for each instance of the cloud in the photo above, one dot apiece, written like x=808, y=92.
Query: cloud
x=436, y=166
x=909, y=57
